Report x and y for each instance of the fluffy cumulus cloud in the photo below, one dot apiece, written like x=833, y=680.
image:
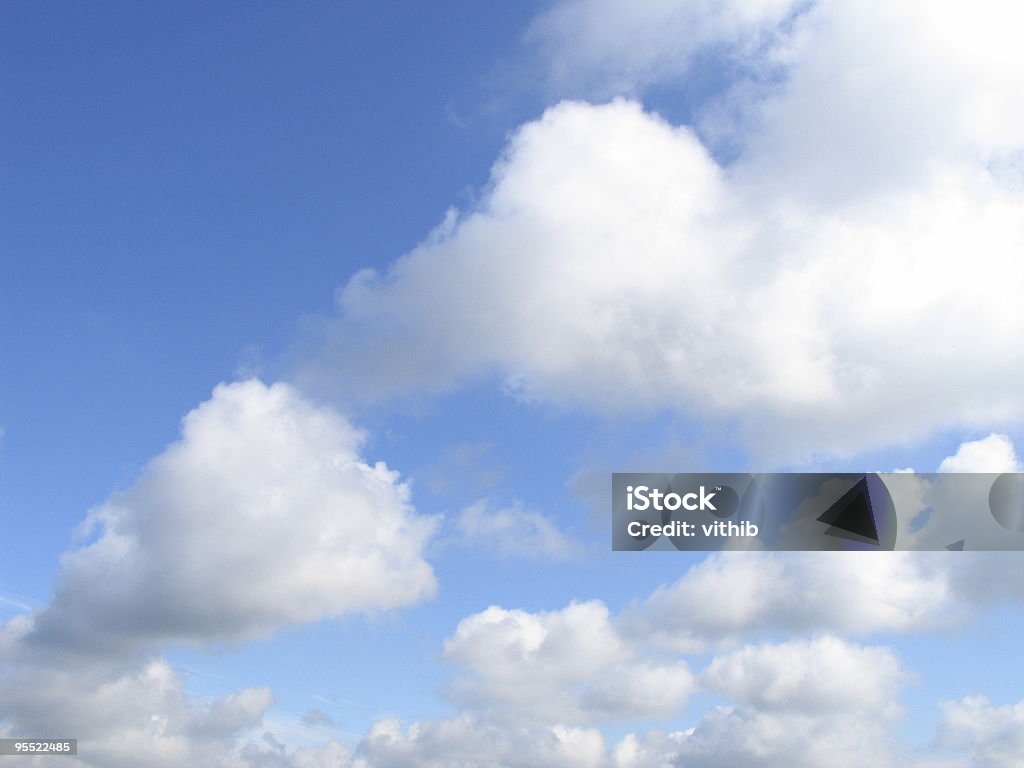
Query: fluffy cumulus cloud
x=465, y=742
x=124, y=714
x=825, y=674
x=268, y=752
x=534, y=689
x=132, y=713
x=849, y=277
x=568, y=666
x=513, y=531
x=994, y=453
x=830, y=289
x=855, y=593
x=727, y=738
x=763, y=593
x=800, y=703
x=261, y=515
x=859, y=594
x=529, y=702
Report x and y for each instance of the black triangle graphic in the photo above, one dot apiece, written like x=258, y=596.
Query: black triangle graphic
x=852, y=513
x=956, y=546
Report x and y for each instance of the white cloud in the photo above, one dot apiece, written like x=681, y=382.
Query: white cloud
x=728, y=597
x=723, y=738
x=653, y=749
x=882, y=98
x=840, y=89
x=825, y=674
x=990, y=454
x=992, y=735
x=513, y=531
x=128, y=712
x=732, y=738
x=800, y=703
x=263, y=514
x=533, y=688
x=954, y=508
x=465, y=742
x=567, y=666
x=270, y=753
x=732, y=598
x=124, y=716
x=851, y=280
x=613, y=46
x=803, y=703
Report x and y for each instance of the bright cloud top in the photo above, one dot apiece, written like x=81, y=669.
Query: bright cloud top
x=831, y=289
x=850, y=593
x=262, y=515
x=567, y=666
x=994, y=453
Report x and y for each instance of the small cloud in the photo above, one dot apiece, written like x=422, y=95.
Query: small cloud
x=990, y=454
x=317, y=717
x=513, y=531
x=466, y=465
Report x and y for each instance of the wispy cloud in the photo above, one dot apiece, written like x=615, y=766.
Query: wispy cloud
x=512, y=531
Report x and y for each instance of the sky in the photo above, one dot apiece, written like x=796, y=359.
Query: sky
x=323, y=326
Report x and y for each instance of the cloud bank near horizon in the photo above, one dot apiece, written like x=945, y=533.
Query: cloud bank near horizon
x=530, y=688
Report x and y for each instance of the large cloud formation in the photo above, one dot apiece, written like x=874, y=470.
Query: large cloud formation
x=797, y=703
x=125, y=715
x=850, y=279
x=849, y=276
x=262, y=515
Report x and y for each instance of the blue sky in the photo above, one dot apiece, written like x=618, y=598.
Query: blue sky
x=602, y=237
x=230, y=162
